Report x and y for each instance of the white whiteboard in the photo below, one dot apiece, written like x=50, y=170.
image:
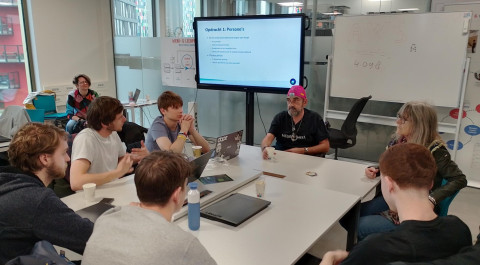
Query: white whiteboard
x=400, y=57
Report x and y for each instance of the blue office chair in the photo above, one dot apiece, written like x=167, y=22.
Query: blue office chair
x=36, y=115
x=47, y=103
x=445, y=203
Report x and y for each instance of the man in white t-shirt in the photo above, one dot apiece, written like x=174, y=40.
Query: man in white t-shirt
x=98, y=154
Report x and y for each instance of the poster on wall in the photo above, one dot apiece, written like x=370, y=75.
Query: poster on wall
x=178, y=62
x=468, y=150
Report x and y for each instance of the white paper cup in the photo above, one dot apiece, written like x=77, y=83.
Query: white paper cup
x=260, y=187
x=89, y=191
x=270, y=152
x=197, y=150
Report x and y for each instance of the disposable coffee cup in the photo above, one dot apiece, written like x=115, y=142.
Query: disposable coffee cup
x=197, y=150
x=270, y=152
x=260, y=187
x=89, y=191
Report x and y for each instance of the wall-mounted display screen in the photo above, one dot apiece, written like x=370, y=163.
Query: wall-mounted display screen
x=250, y=53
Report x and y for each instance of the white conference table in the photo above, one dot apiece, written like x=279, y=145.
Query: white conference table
x=123, y=190
x=342, y=176
x=332, y=174
x=139, y=105
x=281, y=234
x=4, y=146
x=303, y=207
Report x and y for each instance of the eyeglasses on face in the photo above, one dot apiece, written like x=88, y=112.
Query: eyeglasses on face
x=293, y=100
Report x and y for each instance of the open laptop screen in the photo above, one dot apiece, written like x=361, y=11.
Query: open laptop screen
x=136, y=95
x=198, y=165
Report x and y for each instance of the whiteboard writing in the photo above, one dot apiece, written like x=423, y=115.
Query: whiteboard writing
x=400, y=57
x=367, y=64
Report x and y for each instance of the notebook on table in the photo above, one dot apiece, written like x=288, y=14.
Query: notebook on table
x=94, y=211
x=234, y=209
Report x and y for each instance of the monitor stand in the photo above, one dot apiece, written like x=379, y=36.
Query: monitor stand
x=249, y=119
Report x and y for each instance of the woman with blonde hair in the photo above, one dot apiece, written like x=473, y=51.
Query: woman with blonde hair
x=416, y=123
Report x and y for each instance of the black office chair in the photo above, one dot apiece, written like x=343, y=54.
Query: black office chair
x=132, y=134
x=346, y=137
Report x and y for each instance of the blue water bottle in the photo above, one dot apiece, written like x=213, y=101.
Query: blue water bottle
x=193, y=207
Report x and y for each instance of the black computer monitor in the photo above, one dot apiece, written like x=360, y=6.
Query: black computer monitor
x=250, y=53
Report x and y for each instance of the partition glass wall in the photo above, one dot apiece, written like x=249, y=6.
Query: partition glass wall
x=139, y=65
x=137, y=51
x=371, y=138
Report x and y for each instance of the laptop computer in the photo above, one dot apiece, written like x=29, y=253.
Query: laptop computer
x=235, y=209
x=94, y=211
x=136, y=95
x=198, y=165
x=228, y=146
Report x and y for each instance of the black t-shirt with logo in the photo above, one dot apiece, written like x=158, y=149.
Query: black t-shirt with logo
x=310, y=131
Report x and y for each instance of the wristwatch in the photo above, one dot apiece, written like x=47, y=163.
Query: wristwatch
x=305, y=149
x=185, y=134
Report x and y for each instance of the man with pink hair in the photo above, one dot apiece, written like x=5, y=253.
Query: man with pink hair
x=298, y=130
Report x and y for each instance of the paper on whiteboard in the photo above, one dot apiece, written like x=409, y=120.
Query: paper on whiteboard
x=178, y=62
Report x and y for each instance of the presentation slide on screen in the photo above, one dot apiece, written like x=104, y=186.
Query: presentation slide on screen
x=262, y=52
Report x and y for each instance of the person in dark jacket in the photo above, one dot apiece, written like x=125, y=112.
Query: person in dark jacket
x=467, y=256
x=29, y=211
x=416, y=123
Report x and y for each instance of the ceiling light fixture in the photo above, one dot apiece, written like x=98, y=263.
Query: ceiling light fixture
x=291, y=4
x=408, y=9
x=332, y=13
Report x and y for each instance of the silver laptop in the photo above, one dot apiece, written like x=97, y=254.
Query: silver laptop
x=228, y=146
